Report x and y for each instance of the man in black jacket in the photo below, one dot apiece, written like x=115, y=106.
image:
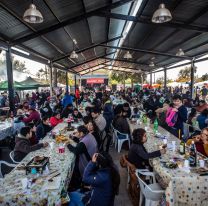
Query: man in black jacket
x=43, y=128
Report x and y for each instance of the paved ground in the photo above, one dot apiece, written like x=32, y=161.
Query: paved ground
x=123, y=198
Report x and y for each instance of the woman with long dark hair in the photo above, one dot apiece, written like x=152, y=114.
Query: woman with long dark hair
x=104, y=179
x=138, y=155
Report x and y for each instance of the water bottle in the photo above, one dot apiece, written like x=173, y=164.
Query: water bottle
x=155, y=126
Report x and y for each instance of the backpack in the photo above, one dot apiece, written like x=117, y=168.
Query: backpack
x=171, y=117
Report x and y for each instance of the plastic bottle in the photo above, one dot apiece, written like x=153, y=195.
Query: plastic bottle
x=155, y=126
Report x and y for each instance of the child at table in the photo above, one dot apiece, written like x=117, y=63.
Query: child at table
x=23, y=145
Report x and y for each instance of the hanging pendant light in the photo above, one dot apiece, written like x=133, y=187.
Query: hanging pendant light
x=161, y=15
x=180, y=53
x=127, y=55
x=74, y=55
x=32, y=15
x=151, y=64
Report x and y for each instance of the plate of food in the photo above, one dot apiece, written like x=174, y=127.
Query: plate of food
x=170, y=165
x=61, y=139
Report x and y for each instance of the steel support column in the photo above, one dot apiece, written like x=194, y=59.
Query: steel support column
x=10, y=79
x=150, y=78
x=192, y=78
x=67, y=85
x=165, y=79
x=51, y=78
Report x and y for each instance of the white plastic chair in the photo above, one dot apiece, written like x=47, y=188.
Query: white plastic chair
x=6, y=163
x=152, y=192
x=11, y=154
x=119, y=141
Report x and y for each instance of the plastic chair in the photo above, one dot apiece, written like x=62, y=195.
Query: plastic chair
x=120, y=139
x=6, y=163
x=152, y=192
x=11, y=154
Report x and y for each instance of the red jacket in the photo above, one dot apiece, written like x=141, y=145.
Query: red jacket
x=77, y=94
x=54, y=121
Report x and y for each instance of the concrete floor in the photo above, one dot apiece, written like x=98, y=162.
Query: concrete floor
x=123, y=198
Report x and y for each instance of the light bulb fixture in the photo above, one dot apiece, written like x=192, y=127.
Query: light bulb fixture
x=151, y=64
x=180, y=52
x=73, y=55
x=127, y=55
x=161, y=15
x=32, y=15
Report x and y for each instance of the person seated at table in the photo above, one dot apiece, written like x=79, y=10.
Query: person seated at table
x=25, y=107
x=20, y=110
x=76, y=114
x=126, y=110
x=18, y=124
x=120, y=122
x=46, y=110
x=33, y=139
x=34, y=116
x=84, y=151
x=202, y=106
x=67, y=111
x=43, y=128
x=138, y=155
x=102, y=175
x=94, y=130
x=98, y=119
x=86, y=120
x=88, y=111
x=201, y=142
x=23, y=145
x=202, y=119
x=135, y=113
x=56, y=119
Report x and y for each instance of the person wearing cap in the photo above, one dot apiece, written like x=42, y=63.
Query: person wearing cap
x=34, y=116
x=98, y=119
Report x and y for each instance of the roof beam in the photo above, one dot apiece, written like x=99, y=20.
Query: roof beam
x=146, y=21
x=102, y=63
x=128, y=61
x=70, y=21
x=92, y=59
x=146, y=51
x=124, y=67
x=86, y=48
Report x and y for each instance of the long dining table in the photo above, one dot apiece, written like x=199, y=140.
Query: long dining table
x=42, y=193
x=182, y=186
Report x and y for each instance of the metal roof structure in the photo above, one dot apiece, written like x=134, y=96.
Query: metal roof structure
x=98, y=27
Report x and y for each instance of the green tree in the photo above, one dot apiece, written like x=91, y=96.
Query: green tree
x=43, y=73
x=18, y=65
x=204, y=77
x=185, y=74
x=61, y=76
x=121, y=77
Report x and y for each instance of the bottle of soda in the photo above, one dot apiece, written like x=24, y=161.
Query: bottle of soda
x=192, y=155
x=155, y=126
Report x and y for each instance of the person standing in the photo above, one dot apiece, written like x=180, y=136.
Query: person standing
x=204, y=92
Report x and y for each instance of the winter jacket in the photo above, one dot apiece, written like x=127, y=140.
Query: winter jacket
x=33, y=117
x=140, y=157
x=101, y=182
x=42, y=130
x=23, y=147
x=54, y=121
x=68, y=99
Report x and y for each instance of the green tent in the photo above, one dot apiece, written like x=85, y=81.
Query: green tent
x=17, y=86
x=31, y=82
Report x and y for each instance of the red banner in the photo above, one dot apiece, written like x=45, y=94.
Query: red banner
x=95, y=81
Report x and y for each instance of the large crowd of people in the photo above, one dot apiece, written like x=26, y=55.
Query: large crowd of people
x=100, y=111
